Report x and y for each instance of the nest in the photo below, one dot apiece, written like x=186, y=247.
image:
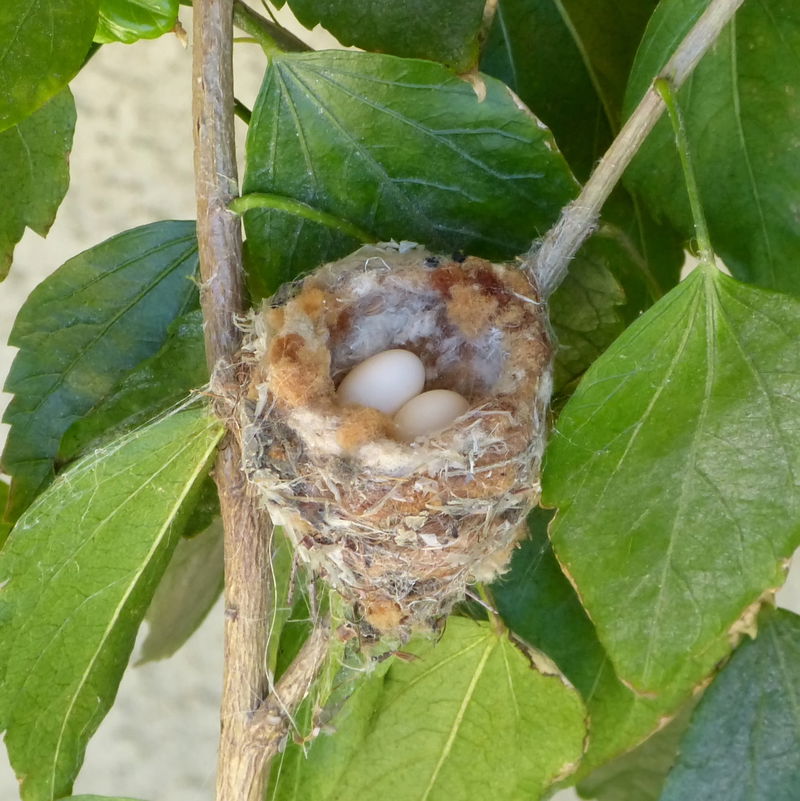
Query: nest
x=399, y=528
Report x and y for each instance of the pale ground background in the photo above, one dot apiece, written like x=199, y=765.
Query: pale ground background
x=132, y=164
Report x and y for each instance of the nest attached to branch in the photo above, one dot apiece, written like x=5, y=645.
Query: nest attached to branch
x=399, y=528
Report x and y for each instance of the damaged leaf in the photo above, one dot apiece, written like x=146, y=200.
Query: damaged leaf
x=539, y=604
x=674, y=468
x=640, y=774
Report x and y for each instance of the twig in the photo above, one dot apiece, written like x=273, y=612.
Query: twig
x=548, y=259
x=271, y=36
x=272, y=719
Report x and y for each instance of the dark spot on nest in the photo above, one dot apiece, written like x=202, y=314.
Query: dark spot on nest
x=490, y=284
x=431, y=262
x=514, y=515
x=479, y=278
x=425, y=588
x=313, y=513
x=288, y=346
x=344, y=323
x=459, y=256
x=444, y=530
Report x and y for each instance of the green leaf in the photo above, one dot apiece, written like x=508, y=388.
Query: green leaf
x=189, y=588
x=308, y=772
x=34, y=160
x=290, y=622
x=674, y=468
x=153, y=386
x=80, y=568
x=742, y=114
x=439, y=30
x=639, y=775
x=130, y=20
x=5, y=528
x=343, y=132
x=469, y=712
x=81, y=330
x=539, y=604
x=744, y=739
x=584, y=310
x=589, y=45
x=205, y=511
x=42, y=46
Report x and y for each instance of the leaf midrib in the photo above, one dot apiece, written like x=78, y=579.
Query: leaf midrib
x=491, y=643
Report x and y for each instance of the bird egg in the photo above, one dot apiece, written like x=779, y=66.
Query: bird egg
x=429, y=412
x=384, y=381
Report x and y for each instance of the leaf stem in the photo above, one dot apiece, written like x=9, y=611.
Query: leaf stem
x=271, y=36
x=704, y=247
x=242, y=112
x=488, y=603
x=262, y=200
x=548, y=259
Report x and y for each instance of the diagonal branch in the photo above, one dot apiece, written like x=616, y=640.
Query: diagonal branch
x=548, y=260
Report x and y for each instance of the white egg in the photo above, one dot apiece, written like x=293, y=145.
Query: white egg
x=385, y=381
x=429, y=412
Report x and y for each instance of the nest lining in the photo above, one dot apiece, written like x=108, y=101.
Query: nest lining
x=399, y=528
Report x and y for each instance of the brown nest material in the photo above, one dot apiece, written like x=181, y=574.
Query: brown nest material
x=399, y=528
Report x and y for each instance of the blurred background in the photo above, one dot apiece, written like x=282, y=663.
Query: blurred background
x=132, y=164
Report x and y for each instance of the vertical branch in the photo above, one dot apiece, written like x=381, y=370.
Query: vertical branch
x=247, y=584
x=253, y=720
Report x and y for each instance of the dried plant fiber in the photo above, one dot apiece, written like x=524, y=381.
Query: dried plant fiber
x=399, y=528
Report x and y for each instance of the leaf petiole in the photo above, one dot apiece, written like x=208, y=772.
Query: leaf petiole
x=272, y=37
x=262, y=200
x=664, y=89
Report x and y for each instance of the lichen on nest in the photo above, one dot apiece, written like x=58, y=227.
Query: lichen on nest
x=399, y=528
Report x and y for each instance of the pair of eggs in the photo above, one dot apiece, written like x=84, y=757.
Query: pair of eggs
x=392, y=382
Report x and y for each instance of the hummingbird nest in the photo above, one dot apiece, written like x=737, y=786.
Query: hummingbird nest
x=399, y=528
